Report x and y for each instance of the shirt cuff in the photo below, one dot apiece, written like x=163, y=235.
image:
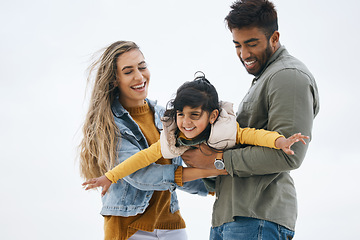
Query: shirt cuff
x=110, y=176
x=179, y=176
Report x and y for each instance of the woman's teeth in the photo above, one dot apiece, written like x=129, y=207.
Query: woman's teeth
x=189, y=129
x=139, y=86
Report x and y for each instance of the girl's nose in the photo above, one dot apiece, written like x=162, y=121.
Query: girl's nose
x=187, y=120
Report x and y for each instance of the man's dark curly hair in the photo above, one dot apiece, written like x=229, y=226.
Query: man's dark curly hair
x=253, y=13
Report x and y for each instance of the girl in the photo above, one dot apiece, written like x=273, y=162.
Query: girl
x=120, y=122
x=195, y=117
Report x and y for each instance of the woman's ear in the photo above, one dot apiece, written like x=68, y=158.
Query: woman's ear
x=213, y=116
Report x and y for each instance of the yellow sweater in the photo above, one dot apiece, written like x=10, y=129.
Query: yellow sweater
x=250, y=136
x=157, y=215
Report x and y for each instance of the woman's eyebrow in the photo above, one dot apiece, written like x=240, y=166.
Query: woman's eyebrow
x=126, y=67
x=140, y=63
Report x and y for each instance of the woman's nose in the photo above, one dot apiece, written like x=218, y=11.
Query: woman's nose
x=138, y=75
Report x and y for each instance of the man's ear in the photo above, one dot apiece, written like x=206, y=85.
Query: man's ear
x=274, y=39
x=214, y=115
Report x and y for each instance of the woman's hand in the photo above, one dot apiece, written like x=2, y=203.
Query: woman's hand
x=285, y=143
x=102, y=181
x=191, y=174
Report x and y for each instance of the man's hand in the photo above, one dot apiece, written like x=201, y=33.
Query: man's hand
x=202, y=157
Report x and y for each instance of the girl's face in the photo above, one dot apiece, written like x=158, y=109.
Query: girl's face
x=132, y=78
x=193, y=121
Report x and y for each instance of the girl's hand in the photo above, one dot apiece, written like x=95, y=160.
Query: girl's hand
x=285, y=143
x=102, y=181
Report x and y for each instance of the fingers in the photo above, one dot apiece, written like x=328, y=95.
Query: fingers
x=298, y=137
x=288, y=151
x=91, y=181
x=105, y=188
x=90, y=184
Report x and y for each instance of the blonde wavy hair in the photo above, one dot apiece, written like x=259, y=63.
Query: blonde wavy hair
x=100, y=134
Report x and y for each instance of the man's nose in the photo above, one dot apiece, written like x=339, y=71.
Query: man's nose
x=244, y=53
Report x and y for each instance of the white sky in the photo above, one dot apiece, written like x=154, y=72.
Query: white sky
x=46, y=47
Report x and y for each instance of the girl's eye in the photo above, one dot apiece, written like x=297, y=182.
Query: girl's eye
x=142, y=68
x=127, y=73
x=195, y=116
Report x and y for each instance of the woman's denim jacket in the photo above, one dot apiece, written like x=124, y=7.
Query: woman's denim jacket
x=131, y=195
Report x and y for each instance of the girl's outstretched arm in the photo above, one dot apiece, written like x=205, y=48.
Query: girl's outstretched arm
x=137, y=161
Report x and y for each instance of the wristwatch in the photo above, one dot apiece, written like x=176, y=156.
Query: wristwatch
x=219, y=162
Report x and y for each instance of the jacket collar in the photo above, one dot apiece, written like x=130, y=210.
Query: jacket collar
x=118, y=110
x=281, y=51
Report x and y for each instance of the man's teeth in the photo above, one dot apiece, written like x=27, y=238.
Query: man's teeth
x=189, y=129
x=250, y=62
x=139, y=86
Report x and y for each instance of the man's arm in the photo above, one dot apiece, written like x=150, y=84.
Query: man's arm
x=291, y=109
x=291, y=101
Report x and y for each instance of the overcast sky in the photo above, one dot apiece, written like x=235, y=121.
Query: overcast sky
x=46, y=47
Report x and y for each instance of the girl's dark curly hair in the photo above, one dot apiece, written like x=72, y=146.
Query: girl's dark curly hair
x=197, y=93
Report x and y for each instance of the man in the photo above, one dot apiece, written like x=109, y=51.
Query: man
x=257, y=200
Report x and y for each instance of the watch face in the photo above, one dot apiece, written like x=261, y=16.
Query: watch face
x=219, y=164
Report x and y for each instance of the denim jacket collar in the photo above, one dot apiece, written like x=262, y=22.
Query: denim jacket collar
x=118, y=110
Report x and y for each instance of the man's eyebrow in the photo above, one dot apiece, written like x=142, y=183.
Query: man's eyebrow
x=251, y=40
x=247, y=41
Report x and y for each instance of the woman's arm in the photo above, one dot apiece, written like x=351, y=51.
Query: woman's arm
x=190, y=174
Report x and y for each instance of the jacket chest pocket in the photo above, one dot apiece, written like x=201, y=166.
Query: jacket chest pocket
x=130, y=144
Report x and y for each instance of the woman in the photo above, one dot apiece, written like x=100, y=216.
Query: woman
x=120, y=122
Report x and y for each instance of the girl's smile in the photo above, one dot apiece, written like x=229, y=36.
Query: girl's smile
x=193, y=121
